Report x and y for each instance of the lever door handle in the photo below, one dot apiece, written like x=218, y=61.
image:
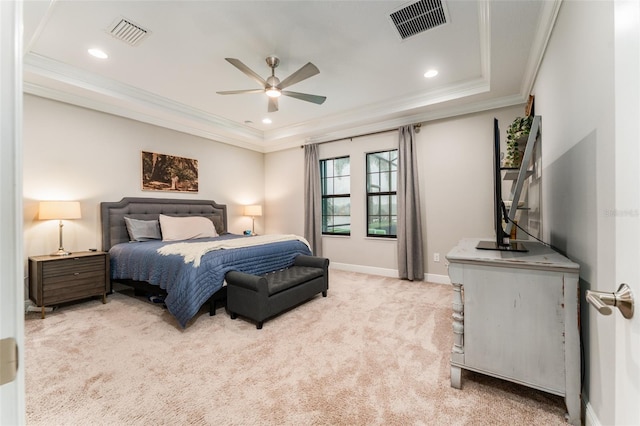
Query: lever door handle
x=621, y=299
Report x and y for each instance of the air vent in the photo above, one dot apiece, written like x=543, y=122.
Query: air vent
x=418, y=17
x=125, y=30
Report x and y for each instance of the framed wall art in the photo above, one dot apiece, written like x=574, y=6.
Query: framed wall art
x=161, y=172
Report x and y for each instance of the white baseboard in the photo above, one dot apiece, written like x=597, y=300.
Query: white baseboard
x=386, y=272
x=590, y=417
x=438, y=279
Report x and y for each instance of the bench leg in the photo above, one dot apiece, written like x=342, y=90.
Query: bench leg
x=259, y=325
x=324, y=293
x=233, y=315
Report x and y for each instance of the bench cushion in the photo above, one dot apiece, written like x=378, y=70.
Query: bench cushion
x=286, y=278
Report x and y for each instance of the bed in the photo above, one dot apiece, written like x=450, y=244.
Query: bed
x=189, y=281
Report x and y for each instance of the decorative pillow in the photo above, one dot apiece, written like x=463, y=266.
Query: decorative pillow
x=186, y=228
x=143, y=230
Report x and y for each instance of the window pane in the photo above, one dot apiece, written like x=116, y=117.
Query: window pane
x=341, y=185
x=393, y=158
x=394, y=205
x=342, y=206
x=384, y=181
x=384, y=205
x=374, y=205
x=384, y=161
x=373, y=184
x=372, y=163
x=328, y=167
x=394, y=181
x=342, y=166
x=327, y=206
x=328, y=190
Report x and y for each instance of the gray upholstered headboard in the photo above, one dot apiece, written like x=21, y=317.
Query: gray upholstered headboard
x=114, y=230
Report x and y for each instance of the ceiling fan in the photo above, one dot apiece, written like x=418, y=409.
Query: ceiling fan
x=272, y=86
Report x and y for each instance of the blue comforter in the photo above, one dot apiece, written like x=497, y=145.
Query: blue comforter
x=189, y=287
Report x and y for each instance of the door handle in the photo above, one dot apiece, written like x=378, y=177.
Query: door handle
x=621, y=299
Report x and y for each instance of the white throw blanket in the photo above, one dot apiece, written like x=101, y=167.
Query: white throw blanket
x=193, y=252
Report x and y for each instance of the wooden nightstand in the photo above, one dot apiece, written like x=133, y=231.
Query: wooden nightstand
x=59, y=279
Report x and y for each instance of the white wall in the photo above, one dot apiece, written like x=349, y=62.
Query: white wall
x=72, y=153
x=455, y=168
x=574, y=94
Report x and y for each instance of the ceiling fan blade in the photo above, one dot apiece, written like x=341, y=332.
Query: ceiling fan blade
x=237, y=92
x=273, y=105
x=305, y=97
x=245, y=69
x=308, y=70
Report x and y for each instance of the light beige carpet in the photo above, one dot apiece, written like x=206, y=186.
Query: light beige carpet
x=374, y=352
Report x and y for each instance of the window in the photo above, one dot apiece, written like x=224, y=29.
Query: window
x=336, y=196
x=382, y=184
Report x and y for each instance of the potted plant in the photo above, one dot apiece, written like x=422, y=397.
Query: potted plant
x=517, y=135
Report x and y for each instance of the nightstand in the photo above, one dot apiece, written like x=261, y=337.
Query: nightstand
x=58, y=279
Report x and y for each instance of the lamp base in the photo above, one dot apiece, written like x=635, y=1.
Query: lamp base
x=61, y=252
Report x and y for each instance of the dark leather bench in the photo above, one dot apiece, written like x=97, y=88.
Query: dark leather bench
x=259, y=297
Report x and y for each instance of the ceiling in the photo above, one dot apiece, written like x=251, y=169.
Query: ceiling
x=487, y=55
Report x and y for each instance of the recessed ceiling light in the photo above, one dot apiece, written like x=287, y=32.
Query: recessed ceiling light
x=431, y=73
x=97, y=53
x=266, y=121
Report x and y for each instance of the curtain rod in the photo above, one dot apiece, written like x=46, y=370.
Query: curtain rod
x=416, y=127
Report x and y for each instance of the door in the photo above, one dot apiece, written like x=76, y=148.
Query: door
x=627, y=151
x=12, y=405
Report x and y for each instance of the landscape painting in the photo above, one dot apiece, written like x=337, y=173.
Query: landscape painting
x=161, y=172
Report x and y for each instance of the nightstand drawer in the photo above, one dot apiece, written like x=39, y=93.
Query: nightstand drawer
x=73, y=266
x=79, y=290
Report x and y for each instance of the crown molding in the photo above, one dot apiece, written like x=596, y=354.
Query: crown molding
x=133, y=98
x=546, y=22
x=422, y=117
x=168, y=121
x=484, y=24
x=373, y=115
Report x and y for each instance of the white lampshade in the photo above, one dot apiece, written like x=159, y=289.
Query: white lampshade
x=59, y=210
x=253, y=210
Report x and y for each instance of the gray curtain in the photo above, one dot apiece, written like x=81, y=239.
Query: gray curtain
x=312, y=199
x=410, y=257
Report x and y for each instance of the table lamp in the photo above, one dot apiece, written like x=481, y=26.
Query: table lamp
x=59, y=210
x=253, y=211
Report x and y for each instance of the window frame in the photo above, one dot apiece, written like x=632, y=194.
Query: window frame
x=325, y=197
x=389, y=193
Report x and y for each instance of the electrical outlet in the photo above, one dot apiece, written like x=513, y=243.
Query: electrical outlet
x=436, y=257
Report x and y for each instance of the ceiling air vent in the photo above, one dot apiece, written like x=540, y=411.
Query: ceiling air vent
x=418, y=17
x=125, y=30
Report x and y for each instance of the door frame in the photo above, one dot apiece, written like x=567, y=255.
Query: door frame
x=12, y=394
x=627, y=208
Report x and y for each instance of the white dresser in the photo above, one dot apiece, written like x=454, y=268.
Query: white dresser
x=515, y=316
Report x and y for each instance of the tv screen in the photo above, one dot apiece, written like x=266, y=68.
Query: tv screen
x=502, y=241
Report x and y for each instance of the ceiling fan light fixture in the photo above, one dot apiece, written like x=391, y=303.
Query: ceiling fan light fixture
x=273, y=92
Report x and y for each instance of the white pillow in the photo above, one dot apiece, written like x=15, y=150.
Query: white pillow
x=186, y=228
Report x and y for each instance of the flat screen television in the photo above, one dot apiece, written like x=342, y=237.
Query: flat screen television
x=502, y=241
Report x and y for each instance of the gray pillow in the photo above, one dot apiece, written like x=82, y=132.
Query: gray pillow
x=143, y=230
